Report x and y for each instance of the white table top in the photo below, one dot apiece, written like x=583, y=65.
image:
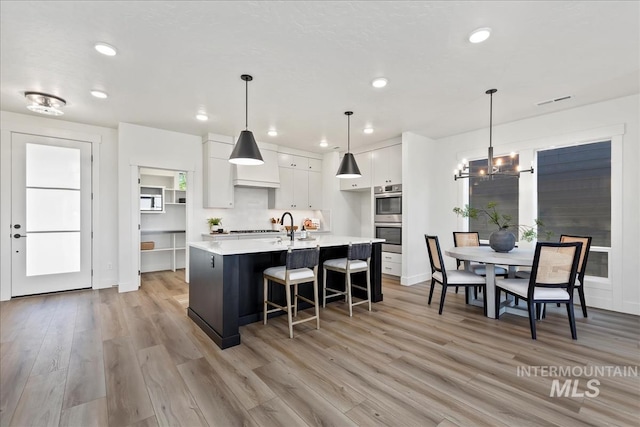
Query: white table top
x=237, y=247
x=516, y=256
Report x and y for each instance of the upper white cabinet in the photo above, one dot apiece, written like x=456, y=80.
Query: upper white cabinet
x=300, y=183
x=387, y=165
x=364, y=164
x=291, y=161
x=218, y=175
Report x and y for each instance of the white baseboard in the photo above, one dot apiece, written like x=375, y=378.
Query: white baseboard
x=414, y=280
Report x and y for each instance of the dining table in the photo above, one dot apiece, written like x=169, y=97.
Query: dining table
x=517, y=257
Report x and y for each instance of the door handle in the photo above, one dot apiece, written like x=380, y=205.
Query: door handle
x=17, y=236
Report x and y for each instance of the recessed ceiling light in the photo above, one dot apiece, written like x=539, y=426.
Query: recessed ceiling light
x=379, y=82
x=272, y=132
x=202, y=117
x=368, y=130
x=480, y=35
x=99, y=94
x=105, y=49
x=324, y=143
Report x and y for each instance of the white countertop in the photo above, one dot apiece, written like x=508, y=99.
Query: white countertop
x=249, y=246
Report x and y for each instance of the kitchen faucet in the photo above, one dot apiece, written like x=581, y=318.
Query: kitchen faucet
x=282, y=222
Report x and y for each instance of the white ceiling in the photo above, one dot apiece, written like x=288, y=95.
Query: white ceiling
x=311, y=61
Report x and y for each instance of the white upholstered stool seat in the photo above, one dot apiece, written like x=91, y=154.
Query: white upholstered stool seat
x=297, y=274
x=357, y=260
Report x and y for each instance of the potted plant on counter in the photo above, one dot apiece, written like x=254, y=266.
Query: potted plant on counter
x=214, y=225
x=503, y=240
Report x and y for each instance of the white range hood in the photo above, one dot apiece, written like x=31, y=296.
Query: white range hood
x=266, y=175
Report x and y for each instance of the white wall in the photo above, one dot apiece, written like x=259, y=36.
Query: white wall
x=418, y=202
x=583, y=124
x=104, y=187
x=154, y=148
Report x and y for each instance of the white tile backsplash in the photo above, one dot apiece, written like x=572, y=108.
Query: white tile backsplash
x=251, y=212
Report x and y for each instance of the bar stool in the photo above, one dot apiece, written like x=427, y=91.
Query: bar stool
x=357, y=260
x=301, y=267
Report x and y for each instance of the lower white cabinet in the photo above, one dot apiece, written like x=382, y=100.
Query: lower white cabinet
x=392, y=263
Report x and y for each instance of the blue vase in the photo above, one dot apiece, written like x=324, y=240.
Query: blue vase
x=502, y=240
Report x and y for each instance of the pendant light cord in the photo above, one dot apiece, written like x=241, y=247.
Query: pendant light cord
x=491, y=119
x=246, y=104
x=348, y=133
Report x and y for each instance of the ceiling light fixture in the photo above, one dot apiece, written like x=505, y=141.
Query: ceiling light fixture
x=202, y=117
x=324, y=143
x=368, y=130
x=246, y=151
x=379, y=82
x=479, y=35
x=99, y=94
x=272, y=132
x=44, y=103
x=105, y=49
x=348, y=167
x=493, y=168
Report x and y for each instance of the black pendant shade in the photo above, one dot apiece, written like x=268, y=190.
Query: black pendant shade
x=246, y=151
x=348, y=166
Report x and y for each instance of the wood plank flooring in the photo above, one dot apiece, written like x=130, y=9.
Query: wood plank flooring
x=98, y=358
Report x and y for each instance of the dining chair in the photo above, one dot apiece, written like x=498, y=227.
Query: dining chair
x=358, y=259
x=552, y=279
x=449, y=277
x=472, y=238
x=301, y=267
x=582, y=266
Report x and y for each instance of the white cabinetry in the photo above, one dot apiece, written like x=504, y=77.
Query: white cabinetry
x=218, y=175
x=300, y=183
x=392, y=263
x=364, y=164
x=387, y=165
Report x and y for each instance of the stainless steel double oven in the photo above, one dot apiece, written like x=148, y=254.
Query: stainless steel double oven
x=388, y=216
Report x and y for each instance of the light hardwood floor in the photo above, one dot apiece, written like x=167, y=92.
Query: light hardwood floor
x=135, y=359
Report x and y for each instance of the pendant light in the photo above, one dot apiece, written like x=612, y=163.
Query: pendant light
x=493, y=168
x=348, y=167
x=246, y=151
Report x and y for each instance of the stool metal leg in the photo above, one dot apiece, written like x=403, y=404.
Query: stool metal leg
x=349, y=299
x=316, y=301
x=266, y=294
x=324, y=287
x=369, y=287
x=288, y=287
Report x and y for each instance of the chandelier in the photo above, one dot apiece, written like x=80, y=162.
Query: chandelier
x=494, y=168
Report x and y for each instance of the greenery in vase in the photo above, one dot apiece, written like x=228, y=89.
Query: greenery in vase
x=213, y=222
x=527, y=232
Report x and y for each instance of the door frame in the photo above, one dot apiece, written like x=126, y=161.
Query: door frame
x=8, y=128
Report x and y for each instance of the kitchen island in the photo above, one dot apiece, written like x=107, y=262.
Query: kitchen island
x=225, y=286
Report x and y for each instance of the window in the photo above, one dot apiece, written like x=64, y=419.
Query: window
x=500, y=189
x=574, y=196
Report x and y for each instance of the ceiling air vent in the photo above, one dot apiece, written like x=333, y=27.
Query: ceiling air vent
x=550, y=101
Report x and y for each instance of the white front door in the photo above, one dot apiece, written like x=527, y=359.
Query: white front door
x=50, y=214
